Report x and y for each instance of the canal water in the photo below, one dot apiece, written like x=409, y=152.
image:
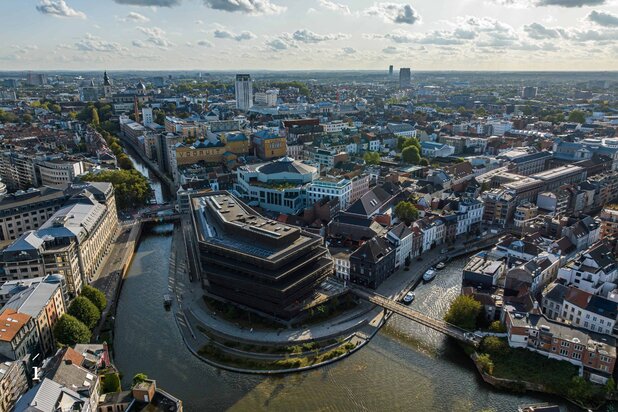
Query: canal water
x=405, y=367
x=161, y=192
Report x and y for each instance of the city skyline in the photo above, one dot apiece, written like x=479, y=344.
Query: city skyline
x=318, y=34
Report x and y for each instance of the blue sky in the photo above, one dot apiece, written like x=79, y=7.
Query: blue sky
x=310, y=34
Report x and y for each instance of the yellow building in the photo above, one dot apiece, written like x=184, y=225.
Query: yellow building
x=269, y=145
x=212, y=150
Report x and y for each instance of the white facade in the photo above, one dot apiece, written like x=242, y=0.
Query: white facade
x=401, y=237
x=583, y=318
x=375, y=145
x=360, y=186
x=267, y=98
x=334, y=126
x=147, y=117
x=470, y=213
x=244, y=92
x=59, y=173
x=340, y=189
x=342, y=266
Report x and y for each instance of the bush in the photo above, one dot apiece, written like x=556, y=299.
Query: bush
x=85, y=311
x=497, y=327
x=485, y=363
x=464, y=312
x=139, y=378
x=95, y=296
x=69, y=331
x=111, y=383
x=494, y=345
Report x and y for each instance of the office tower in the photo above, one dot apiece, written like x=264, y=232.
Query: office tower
x=147, y=118
x=529, y=92
x=244, y=92
x=390, y=71
x=405, y=77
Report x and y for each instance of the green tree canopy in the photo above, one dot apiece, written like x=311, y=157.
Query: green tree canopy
x=69, y=331
x=85, y=311
x=406, y=211
x=95, y=116
x=577, y=116
x=131, y=188
x=124, y=162
x=139, y=378
x=464, y=312
x=423, y=162
x=411, y=155
x=111, y=383
x=95, y=296
x=27, y=118
x=372, y=158
x=7, y=117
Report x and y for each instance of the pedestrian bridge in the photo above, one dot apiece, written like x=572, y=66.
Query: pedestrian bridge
x=160, y=218
x=416, y=316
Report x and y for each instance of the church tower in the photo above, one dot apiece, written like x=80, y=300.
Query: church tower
x=107, y=86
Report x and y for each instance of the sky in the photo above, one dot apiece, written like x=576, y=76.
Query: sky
x=309, y=34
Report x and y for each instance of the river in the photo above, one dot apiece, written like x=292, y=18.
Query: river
x=405, y=367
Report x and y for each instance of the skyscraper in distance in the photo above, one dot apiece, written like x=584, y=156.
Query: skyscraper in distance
x=390, y=71
x=244, y=92
x=405, y=77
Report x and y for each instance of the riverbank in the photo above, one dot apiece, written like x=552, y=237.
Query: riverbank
x=520, y=370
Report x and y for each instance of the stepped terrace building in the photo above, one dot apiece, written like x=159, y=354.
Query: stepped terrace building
x=255, y=262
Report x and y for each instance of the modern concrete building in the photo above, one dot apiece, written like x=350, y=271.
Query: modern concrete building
x=330, y=188
x=244, y=92
x=405, y=77
x=256, y=262
x=13, y=383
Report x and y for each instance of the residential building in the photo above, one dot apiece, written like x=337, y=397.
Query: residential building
x=528, y=164
x=267, y=98
x=524, y=213
x=269, y=145
x=47, y=395
x=433, y=230
x=554, y=203
x=372, y=263
x=591, y=269
x=143, y=397
x=18, y=170
x=499, y=206
x=13, y=383
x=44, y=302
x=482, y=271
x=330, y=188
x=532, y=275
x=147, y=116
x=588, y=311
x=278, y=186
x=553, y=298
x=609, y=223
x=256, y=262
x=401, y=237
x=432, y=149
x=360, y=186
x=469, y=215
x=244, y=92
x=341, y=259
x=595, y=354
x=19, y=337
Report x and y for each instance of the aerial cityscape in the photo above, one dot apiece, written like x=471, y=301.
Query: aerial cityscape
x=268, y=205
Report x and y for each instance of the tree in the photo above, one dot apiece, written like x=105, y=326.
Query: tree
x=423, y=162
x=27, y=118
x=111, y=383
x=131, y=188
x=72, y=115
x=577, y=116
x=124, y=162
x=497, y=327
x=55, y=108
x=95, y=116
x=480, y=112
x=411, y=155
x=372, y=158
x=139, y=378
x=69, y=331
x=95, y=296
x=464, y=312
x=406, y=211
x=85, y=311
x=494, y=345
x=486, y=364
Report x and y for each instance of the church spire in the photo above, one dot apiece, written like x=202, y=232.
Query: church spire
x=106, y=79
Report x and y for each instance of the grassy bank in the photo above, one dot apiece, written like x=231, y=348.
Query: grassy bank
x=500, y=361
x=215, y=354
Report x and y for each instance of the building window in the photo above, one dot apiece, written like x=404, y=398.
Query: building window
x=564, y=352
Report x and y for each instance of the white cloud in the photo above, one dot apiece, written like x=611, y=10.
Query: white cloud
x=336, y=7
x=394, y=13
x=92, y=43
x=58, y=8
x=308, y=36
x=253, y=7
x=226, y=34
x=137, y=17
x=156, y=36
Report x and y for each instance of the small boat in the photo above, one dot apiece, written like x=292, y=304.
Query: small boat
x=440, y=265
x=429, y=275
x=167, y=301
x=408, y=298
x=540, y=407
